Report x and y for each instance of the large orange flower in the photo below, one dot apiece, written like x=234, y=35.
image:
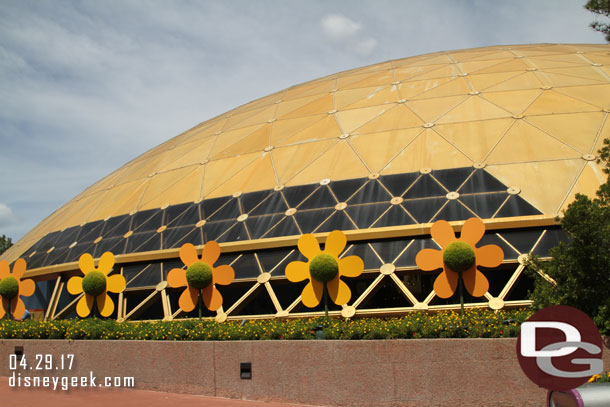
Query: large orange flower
x=96, y=284
x=487, y=256
x=351, y=266
x=14, y=287
x=200, y=276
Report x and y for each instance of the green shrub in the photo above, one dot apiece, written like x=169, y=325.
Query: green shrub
x=199, y=275
x=94, y=283
x=9, y=287
x=323, y=267
x=459, y=256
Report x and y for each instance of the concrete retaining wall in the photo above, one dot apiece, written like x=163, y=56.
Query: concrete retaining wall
x=423, y=372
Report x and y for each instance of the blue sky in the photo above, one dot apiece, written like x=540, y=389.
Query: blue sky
x=87, y=86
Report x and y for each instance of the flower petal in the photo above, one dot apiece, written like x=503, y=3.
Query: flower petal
x=188, y=299
x=472, y=231
x=85, y=263
x=17, y=308
x=442, y=232
x=309, y=246
x=4, y=269
x=312, y=294
x=489, y=256
x=188, y=254
x=75, y=285
x=27, y=287
x=223, y=275
x=475, y=282
x=3, y=307
x=18, y=269
x=105, y=305
x=338, y=291
x=211, y=297
x=297, y=271
x=335, y=243
x=351, y=266
x=106, y=263
x=84, y=306
x=429, y=259
x=176, y=278
x=115, y=283
x=446, y=284
x=211, y=252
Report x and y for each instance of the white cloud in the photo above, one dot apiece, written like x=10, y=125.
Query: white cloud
x=6, y=215
x=347, y=33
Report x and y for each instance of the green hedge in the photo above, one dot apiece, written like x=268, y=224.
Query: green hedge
x=443, y=324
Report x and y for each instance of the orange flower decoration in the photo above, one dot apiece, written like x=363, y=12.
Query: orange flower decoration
x=14, y=287
x=351, y=266
x=474, y=281
x=200, y=277
x=96, y=284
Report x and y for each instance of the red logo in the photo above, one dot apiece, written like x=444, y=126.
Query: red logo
x=559, y=348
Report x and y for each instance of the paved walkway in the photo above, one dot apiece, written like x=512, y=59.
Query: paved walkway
x=28, y=397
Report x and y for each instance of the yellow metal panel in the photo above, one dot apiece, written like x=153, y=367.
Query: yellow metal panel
x=185, y=155
x=598, y=95
x=586, y=72
x=350, y=120
x=339, y=162
x=446, y=71
x=523, y=142
x=604, y=134
x=139, y=170
x=257, y=176
x=345, y=98
x=218, y=171
x=483, y=81
x=411, y=72
x=510, y=65
x=291, y=160
x=431, y=109
x=428, y=150
x=555, y=80
x=80, y=210
x=345, y=82
x=377, y=79
x=408, y=90
x=433, y=60
x=603, y=59
x=497, y=55
x=532, y=178
x=250, y=118
x=178, y=189
x=588, y=183
x=571, y=58
x=119, y=200
x=476, y=138
x=457, y=86
x=462, y=56
x=283, y=129
x=474, y=108
x=378, y=149
x=526, y=80
x=547, y=63
x=322, y=129
x=321, y=105
x=162, y=182
x=288, y=106
x=515, y=102
x=380, y=97
x=258, y=140
x=398, y=117
x=227, y=139
x=551, y=102
x=578, y=130
x=472, y=67
x=323, y=86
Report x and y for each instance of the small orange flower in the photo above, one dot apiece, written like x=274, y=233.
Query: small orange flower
x=487, y=256
x=200, y=276
x=24, y=287
x=351, y=266
x=96, y=284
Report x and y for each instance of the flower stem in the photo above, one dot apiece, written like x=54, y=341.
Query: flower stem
x=461, y=288
x=325, y=301
x=199, y=303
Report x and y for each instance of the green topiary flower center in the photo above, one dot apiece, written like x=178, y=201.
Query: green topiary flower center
x=199, y=275
x=94, y=283
x=323, y=267
x=9, y=287
x=459, y=256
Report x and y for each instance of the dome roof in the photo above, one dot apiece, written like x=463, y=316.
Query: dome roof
x=533, y=116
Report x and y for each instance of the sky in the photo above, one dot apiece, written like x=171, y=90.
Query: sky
x=86, y=86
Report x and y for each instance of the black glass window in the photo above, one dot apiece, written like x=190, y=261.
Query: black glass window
x=372, y=192
x=484, y=205
x=425, y=187
x=452, y=178
x=481, y=181
x=365, y=215
x=397, y=184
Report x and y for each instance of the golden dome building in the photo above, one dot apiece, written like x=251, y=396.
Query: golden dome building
x=508, y=134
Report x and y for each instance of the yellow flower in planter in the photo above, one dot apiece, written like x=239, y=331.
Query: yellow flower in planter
x=12, y=287
x=96, y=284
x=200, y=277
x=324, y=267
x=459, y=256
